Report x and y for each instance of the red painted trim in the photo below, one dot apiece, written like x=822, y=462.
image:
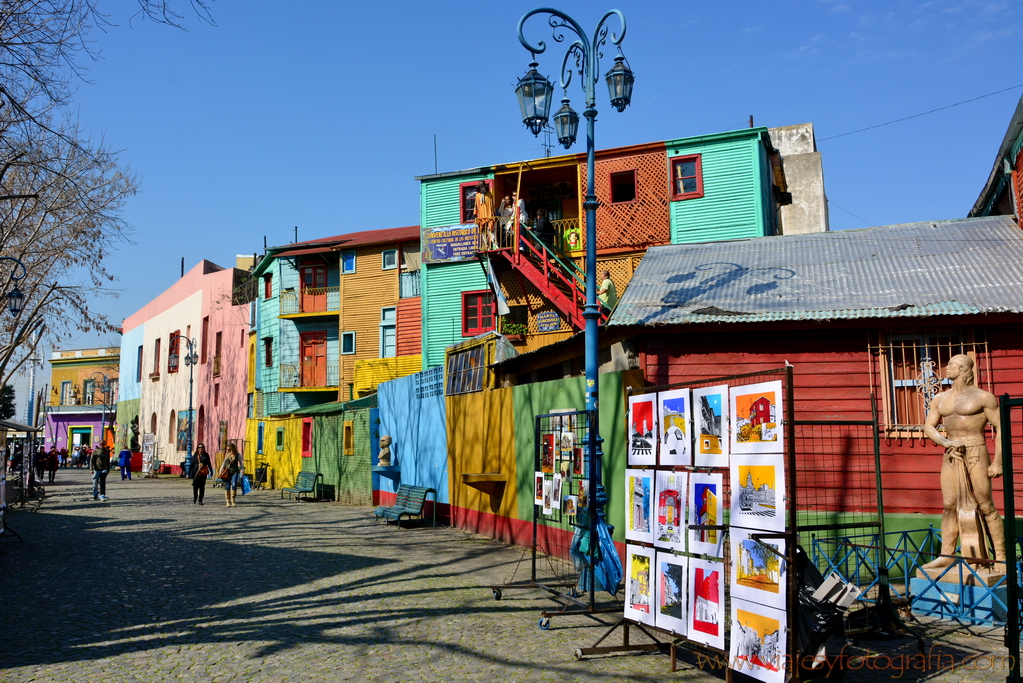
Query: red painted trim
x=698, y=158
x=635, y=186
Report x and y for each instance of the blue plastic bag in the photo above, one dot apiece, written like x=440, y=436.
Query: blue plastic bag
x=246, y=486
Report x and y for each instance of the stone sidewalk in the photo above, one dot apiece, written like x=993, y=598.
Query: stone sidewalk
x=148, y=587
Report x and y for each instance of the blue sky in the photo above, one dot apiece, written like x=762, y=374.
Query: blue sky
x=320, y=115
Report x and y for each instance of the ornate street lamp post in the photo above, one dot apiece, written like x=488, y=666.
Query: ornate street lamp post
x=105, y=389
x=534, y=93
x=191, y=359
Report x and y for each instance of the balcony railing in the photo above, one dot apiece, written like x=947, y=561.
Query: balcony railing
x=499, y=233
x=310, y=375
x=408, y=285
x=311, y=300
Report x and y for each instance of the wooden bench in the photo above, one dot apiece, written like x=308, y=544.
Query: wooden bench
x=304, y=483
x=410, y=504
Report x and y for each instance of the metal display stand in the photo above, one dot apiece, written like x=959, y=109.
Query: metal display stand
x=558, y=535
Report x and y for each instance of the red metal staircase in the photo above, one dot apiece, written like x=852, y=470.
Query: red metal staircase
x=559, y=280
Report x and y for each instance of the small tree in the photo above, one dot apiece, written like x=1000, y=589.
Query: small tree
x=7, y=407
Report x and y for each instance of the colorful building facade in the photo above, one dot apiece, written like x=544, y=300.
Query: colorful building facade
x=83, y=398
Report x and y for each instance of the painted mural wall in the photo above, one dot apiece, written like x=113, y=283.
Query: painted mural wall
x=412, y=412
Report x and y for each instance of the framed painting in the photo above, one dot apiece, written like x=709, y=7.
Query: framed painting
x=756, y=413
x=675, y=416
x=710, y=431
x=538, y=486
x=670, y=509
x=705, y=495
x=758, y=568
x=556, y=493
x=548, y=448
x=758, y=491
x=758, y=646
x=639, y=505
x=548, y=490
x=642, y=430
x=705, y=622
x=672, y=598
x=639, y=584
x=571, y=503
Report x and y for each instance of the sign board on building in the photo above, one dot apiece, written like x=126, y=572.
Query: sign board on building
x=450, y=243
x=548, y=321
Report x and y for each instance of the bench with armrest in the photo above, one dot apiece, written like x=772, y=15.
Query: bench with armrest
x=409, y=504
x=304, y=483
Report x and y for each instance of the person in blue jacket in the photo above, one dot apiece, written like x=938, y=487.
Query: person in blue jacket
x=124, y=460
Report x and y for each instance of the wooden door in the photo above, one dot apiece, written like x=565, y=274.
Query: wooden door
x=314, y=359
x=314, y=289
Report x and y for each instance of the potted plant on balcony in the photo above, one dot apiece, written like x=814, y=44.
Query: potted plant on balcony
x=514, y=332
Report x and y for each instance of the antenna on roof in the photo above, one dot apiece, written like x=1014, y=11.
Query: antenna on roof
x=296, y=233
x=182, y=266
x=264, y=243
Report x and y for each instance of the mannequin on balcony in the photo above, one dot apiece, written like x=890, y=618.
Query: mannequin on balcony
x=485, y=215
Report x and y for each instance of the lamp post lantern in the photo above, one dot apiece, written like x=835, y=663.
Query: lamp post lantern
x=15, y=299
x=584, y=52
x=191, y=360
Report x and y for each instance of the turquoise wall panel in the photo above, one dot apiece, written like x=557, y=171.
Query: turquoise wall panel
x=440, y=202
x=443, y=285
x=735, y=195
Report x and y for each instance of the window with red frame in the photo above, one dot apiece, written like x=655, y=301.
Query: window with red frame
x=307, y=437
x=479, y=313
x=467, y=193
x=687, y=177
x=268, y=289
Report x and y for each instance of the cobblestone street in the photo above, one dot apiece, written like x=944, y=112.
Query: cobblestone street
x=149, y=587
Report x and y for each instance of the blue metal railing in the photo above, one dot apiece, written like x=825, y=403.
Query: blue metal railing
x=855, y=559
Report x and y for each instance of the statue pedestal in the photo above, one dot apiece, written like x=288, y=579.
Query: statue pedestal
x=972, y=601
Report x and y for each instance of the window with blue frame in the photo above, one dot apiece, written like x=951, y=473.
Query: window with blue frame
x=347, y=261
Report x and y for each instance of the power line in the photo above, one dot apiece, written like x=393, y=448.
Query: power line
x=906, y=118
x=832, y=203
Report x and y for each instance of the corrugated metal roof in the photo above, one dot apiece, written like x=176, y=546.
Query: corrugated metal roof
x=912, y=270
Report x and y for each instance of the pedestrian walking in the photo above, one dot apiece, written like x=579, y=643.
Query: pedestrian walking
x=100, y=465
x=202, y=471
x=40, y=462
x=76, y=456
x=233, y=467
x=124, y=462
x=52, y=463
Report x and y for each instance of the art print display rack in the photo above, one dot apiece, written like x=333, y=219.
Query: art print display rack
x=710, y=520
x=570, y=537
x=722, y=483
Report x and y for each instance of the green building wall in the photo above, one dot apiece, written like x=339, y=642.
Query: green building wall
x=543, y=397
x=346, y=478
x=737, y=201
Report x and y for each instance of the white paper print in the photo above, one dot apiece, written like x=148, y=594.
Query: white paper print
x=710, y=426
x=675, y=417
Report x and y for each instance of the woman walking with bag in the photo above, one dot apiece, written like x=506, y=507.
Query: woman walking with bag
x=232, y=468
x=202, y=471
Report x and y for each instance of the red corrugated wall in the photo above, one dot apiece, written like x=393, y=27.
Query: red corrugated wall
x=409, y=330
x=832, y=380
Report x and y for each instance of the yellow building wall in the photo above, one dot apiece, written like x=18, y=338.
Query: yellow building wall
x=481, y=440
x=363, y=294
x=79, y=370
x=284, y=464
x=370, y=373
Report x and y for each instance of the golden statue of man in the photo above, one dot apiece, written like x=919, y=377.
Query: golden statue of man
x=967, y=469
